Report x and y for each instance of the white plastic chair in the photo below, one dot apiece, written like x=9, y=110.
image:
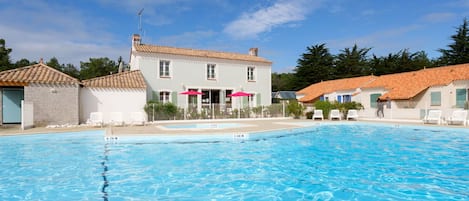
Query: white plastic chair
x=138, y=118
x=433, y=116
x=335, y=114
x=117, y=119
x=352, y=114
x=318, y=115
x=96, y=119
x=458, y=117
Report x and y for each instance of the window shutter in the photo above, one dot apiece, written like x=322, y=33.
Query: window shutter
x=258, y=99
x=435, y=98
x=174, y=97
x=156, y=96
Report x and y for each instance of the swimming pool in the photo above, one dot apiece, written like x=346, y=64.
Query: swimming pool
x=325, y=162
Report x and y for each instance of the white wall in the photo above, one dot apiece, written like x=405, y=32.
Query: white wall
x=107, y=100
x=190, y=72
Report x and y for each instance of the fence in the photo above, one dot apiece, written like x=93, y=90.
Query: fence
x=156, y=111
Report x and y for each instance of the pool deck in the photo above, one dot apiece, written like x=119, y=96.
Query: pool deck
x=247, y=126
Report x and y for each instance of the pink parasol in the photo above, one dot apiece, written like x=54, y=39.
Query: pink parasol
x=240, y=94
x=191, y=93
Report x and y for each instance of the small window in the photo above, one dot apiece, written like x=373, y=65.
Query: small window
x=164, y=96
x=211, y=72
x=164, y=68
x=461, y=97
x=347, y=98
x=373, y=100
x=251, y=74
x=435, y=98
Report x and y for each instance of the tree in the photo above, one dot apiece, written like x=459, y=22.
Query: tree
x=352, y=62
x=71, y=70
x=97, y=67
x=54, y=63
x=23, y=62
x=4, y=56
x=314, y=66
x=458, y=51
x=282, y=81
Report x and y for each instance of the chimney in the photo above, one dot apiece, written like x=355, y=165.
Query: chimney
x=136, y=39
x=41, y=61
x=253, y=51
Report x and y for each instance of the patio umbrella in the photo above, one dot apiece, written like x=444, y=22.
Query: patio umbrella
x=239, y=94
x=190, y=93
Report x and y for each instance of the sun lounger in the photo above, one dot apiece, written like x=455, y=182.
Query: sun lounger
x=352, y=114
x=318, y=115
x=116, y=119
x=458, y=117
x=96, y=119
x=138, y=118
x=335, y=114
x=433, y=116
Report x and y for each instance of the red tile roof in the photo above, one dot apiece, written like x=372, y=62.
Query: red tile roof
x=400, y=86
x=314, y=91
x=127, y=79
x=403, y=86
x=37, y=73
x=199, y=53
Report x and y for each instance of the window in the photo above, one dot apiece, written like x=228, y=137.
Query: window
x=164, y=68
x=347, y=98
x=435, y=98
x=373, y=99
x=461, y=97
x=164, y=96
x=251, y=74
x=211, y=72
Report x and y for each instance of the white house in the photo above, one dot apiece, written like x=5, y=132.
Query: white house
x=168, y=71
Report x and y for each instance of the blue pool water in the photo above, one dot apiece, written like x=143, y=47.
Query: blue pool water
x=204, y=126
x=326, y=162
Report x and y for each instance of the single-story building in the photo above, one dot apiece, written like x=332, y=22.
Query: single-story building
x=53, y=94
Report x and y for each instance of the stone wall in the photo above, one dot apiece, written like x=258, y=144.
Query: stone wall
x=54, y=104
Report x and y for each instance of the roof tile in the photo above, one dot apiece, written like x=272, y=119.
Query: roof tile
x=127, y=79
x=37, y=73
x=199, y=53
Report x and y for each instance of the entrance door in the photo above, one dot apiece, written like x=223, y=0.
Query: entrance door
x=12, y=98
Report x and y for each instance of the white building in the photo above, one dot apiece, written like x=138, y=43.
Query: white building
x=168, y=71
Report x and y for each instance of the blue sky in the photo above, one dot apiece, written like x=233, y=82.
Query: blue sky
x=74, y=31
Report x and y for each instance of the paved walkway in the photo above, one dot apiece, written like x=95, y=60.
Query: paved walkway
x=157, y=128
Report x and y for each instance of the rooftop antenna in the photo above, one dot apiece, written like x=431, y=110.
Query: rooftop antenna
x=140, y=22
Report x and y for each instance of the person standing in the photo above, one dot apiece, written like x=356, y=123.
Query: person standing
x=380, y=111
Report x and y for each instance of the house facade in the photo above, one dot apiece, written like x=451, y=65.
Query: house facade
x=407, y=95
x=53, y=95
x=168, y=71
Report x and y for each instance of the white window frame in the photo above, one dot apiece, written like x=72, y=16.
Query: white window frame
x=164, y=96
x=166, y=73
x=211, y=71
x=251, y=74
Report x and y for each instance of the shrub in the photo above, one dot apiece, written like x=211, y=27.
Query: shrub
x=325, y=106
x=160, y=111
x=294, y=108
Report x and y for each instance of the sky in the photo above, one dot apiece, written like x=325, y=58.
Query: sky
x=74, y=31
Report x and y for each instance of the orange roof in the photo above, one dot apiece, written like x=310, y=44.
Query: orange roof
x=127, y=79
x=37, y=73
x=314, y=91
x=200, y=53
x=403, y=86
x=400, y=86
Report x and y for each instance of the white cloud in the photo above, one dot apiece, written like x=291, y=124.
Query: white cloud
x=249, y=25
x=439, y=17
x=42, y=30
